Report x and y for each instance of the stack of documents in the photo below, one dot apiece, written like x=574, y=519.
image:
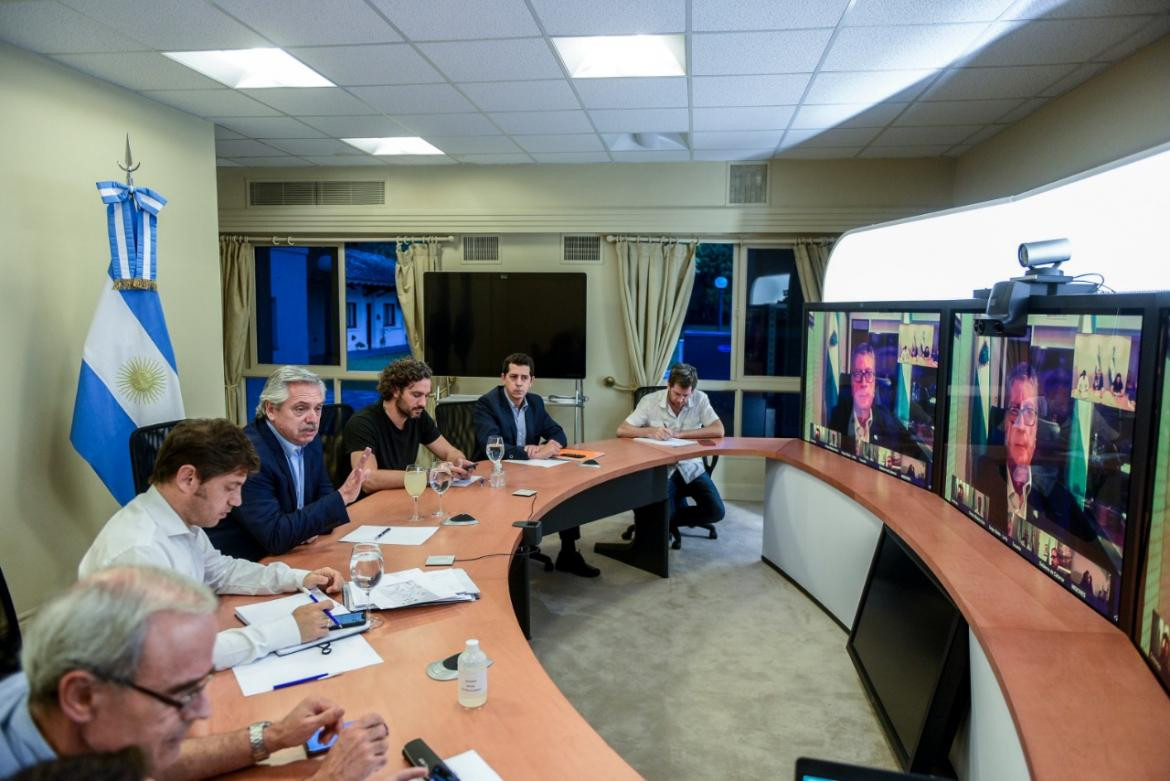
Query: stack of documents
x=274, y=609
x=414, y=587
x=391, y=535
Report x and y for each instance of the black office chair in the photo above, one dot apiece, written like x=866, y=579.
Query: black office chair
x=456, y=420
x=9, y=632
x=333, y=420
x=144, y=446
x=709, y=463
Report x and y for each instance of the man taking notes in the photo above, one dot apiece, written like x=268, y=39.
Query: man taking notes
x=197, y=478
x=528, y=431
x=290, y=500
x=394, y=427
x=683, y=412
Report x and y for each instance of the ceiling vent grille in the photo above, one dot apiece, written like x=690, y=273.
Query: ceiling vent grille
x=581, y=249
x=481, y=249
x=747, y=184
x=318, y=193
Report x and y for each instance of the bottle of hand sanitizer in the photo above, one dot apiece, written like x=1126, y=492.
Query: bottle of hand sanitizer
x=473, y=676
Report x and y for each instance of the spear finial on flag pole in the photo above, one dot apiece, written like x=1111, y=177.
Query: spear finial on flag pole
x=130, y=167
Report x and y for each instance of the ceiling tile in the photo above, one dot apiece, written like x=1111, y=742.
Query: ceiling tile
x=445, y=20
x=992, y=83
x=899, y=48
x=300, y=22
x=449, y=124
x=611, y=17
x=659, y=120
x=633, y=93
x=956, y=112
x=869, y=87
x=1053, y=41
x=246, y=148
x=221, y=163
x=547, y=95
x=651, y=156
x=345, y=161
x=1150, y=32
x=269, y=127
x=935, y=150
x=495, y=159
x=223, y=132
x=518, y=59
x=582, y=142
x=922, y=136
x=212, y=102
x=984, y=134
x=846, y=115
x=309, y=147
x=172, y=24
x=776, y=90
x=414, y=99
x=883, y=12
x=819, y=153
x=465, y=145
x=572, y=157
x=543, y=122
x=721, y=15
x=1023, y=110
x=1051, y=9
x=789, y=51
x=732, y=154
x=744, y=140
x=748, y=118
x=138, y=70
x=389, y=63
x=417, y=160
x=310, y=100
x=1079, y=76
x=357, y=127
x=51, y=28
x=858, y=136
x=958, y=151
x=287, y=161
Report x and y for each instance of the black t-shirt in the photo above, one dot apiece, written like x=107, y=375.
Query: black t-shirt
x=371, y=427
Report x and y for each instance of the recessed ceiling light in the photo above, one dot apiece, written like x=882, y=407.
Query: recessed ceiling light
x=616, y=56
x=252, y=68
x=396, y=145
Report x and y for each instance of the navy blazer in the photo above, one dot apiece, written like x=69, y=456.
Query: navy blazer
x=268, y=521
x=493, y=415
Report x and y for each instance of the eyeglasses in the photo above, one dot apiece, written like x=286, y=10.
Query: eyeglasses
x=1027, y=413
x=182, y=703
x=864, y=375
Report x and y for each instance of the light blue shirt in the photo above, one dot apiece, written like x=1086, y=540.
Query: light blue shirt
x=521, y=424
x=21, y=743
x=295, y=454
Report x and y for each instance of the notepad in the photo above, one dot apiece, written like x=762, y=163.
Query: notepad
x=391, y=535
x=276, y=609
x=350, y=653
x=576, y=454
x=543, y=463
x=672, y=442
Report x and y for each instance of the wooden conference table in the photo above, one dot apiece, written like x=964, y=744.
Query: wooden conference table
x=1084, y=707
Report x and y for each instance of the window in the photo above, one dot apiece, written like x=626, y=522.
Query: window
x=351, y=315
x=373, y=338
x=772, y=332
x=389, y=315
x=705, y=341
x=296, y=306
x=359, y=393
x=770, y=415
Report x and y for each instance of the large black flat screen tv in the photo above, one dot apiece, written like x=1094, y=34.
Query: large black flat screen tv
x=472, y=320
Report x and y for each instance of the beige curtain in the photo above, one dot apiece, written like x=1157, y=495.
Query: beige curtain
x=655, y=279
x=237, y=281
x=812, y=259
x=414, y=261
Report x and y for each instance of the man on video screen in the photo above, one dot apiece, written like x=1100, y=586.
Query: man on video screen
x=859, y=419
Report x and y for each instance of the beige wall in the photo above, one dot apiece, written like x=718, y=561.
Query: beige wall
x=1125, y=109
x=59, y=133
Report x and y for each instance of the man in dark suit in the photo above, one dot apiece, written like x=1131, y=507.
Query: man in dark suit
x=528, y=431
x=860, y=420
x=290, y=500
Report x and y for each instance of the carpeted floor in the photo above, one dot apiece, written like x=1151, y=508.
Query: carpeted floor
x=725, y=669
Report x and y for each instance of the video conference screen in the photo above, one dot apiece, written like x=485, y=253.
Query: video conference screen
x=1154, y=632
x=871, y=386
x=1040, y=433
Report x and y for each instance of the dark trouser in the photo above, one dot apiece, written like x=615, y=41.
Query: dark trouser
x=569, y=538
x=708, y=506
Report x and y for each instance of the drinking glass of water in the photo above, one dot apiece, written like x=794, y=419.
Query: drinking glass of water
x=440, y=482
x=365, y=569
x=415, y=483
x=495, y=453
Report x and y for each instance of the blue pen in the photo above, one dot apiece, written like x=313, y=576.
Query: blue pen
x=313, y=597
x=287, y=684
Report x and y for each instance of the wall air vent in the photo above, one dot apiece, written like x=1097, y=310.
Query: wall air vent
x=318, y=193
x=481, y=249
x=747, y=184
x=580, y=249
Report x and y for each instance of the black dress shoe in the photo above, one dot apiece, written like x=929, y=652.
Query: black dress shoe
x=574, y=563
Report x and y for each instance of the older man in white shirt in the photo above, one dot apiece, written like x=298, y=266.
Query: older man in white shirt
x=197, y=478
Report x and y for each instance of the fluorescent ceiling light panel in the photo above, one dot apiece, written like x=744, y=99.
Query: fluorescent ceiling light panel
x=618, y=56
x=396, y=145
x=252, y=68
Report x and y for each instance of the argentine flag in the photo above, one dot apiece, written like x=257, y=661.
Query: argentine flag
x=129, y=377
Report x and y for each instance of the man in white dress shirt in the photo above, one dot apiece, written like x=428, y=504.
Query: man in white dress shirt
x=197, y=478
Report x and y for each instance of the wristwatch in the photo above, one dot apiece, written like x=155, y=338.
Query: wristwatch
x=256, y=738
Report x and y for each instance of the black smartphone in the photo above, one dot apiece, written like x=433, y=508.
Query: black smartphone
x=419, y=754
x=347, y=620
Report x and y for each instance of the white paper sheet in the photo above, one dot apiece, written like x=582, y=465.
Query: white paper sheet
x=273, y=609
x=543, y=463
x=394, y=535
x=262, y=675
x=470, y=766
x=672, y=442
